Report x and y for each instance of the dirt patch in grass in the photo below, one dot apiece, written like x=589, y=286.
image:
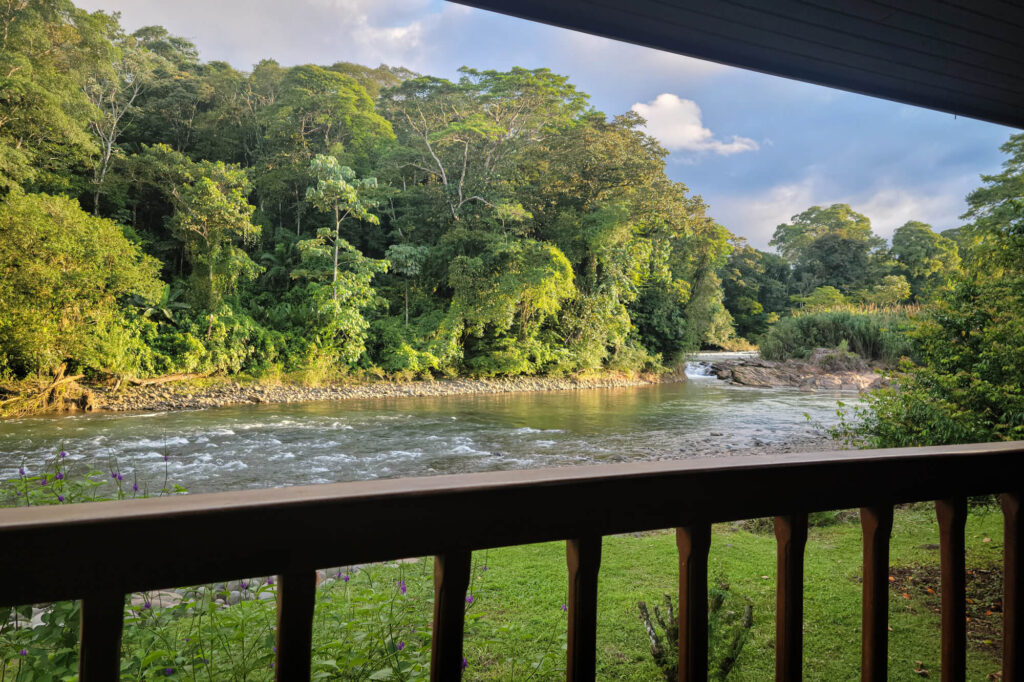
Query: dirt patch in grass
x=921, y=586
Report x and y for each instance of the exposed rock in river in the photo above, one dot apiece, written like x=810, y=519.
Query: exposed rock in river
x=825, y=370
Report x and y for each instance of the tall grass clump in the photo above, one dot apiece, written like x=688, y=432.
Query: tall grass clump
x=881, y=335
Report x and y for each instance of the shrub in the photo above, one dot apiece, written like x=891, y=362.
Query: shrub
x=881, y=336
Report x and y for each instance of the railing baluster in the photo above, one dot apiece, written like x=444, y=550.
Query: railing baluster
x=791, y=537
x=451, y=578
x=694, y=542
x=296, y=600
x=952, y=515
x=876, y=526
x=583, y=557
x=1013, y=587
x=99, y=642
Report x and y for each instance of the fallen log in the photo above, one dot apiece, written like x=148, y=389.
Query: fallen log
x=38, y=401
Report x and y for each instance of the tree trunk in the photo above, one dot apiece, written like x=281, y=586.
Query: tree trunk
x=337, y=236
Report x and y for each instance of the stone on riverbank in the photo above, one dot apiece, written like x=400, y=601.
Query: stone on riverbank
x=190, y=396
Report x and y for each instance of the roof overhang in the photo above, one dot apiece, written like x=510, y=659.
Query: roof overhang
x=963, y=57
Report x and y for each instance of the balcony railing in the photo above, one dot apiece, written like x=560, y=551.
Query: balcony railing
x=64, y=552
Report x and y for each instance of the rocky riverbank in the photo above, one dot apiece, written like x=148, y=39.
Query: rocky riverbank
x=825, y=370
x=190, y=396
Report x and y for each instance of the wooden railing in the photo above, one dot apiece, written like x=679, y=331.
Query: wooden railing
x=80, y=551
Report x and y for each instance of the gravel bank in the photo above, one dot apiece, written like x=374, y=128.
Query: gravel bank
x=191, y=397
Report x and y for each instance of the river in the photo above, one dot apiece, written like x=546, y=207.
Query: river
x=315, y=442
x=256, y=446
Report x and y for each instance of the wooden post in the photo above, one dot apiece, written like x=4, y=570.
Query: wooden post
x=99, y=641
x=876, y=525
x=791, y=536
x=451, y=578
x=952, y=515
x=296, y=600
x=1013, y=587
x=694, y=542
x=583, y=557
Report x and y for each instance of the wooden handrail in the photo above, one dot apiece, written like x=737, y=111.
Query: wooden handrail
x=62, y=552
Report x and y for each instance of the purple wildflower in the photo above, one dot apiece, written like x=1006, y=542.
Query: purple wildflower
x=23, y=652
x=147, y=606
x=60, y=498
x=401, y=586
x=113, y=475
x=168, y=671
x=21, y=470
x=338, y=574
x=469, y=599
x=345, y=577
x=43, y=480
x=465, y=663
x=166, y=457
x=400, y=646
x=245, y=585
x=484, y=567
x=270, y=580
x=63, y=454
x=119, y=477
x=564, y=607
x=59, y=476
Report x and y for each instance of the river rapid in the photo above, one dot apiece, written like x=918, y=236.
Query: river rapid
x=259, y=446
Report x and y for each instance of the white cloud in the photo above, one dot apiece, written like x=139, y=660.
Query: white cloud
x=756, y=216
x=888, y=206
x=397, y=32
x=676, y=123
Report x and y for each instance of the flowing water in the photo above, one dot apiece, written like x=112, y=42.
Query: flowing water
x=257, y=446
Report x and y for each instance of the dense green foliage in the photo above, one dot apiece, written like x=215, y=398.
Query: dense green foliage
x=64, y=275
x=969, y=385
x=319, y=218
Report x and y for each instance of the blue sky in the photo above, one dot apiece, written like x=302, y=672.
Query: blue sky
x=758, y=148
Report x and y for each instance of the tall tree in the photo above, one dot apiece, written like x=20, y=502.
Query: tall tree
x=212, y=220
x=114, y=90
x=337, y=191
x=47, y=49
x=831, y=246
x=928, y=260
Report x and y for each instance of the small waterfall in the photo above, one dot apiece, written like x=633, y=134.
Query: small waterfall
x=696, y=369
